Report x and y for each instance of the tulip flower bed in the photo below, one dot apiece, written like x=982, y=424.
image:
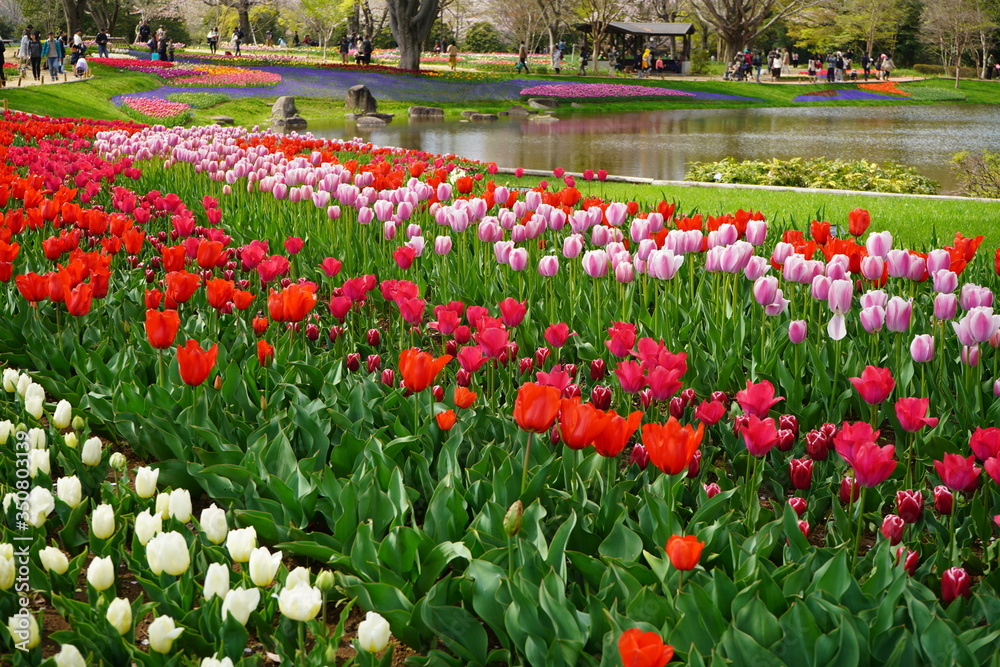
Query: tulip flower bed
x=152, y=110
x=196, y=76
x=369, y=366
x=842, y=94
x=593, y=92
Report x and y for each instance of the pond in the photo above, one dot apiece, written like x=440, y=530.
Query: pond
x=661, y=144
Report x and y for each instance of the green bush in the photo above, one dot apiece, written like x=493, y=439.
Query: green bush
x=938, y=70
x=978, y=173
x=482, y=37
x=816, y=173
x=199, y=100
x=700, y=60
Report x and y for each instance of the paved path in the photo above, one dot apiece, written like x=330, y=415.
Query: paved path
x=16, y=80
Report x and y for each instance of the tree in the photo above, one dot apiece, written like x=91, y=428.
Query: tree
x=410, y=22
x=815, y=28
x=74, y=11
x=952, y=26
x=482, y=37
x=242, y=8
x=599, y=13
x=739, y=22
x=105, y=13
x=870, y=21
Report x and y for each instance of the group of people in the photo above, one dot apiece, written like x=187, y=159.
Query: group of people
x=159, y=43
x=357, y=45
x=749, y=64
x=837, y=65
x=53, y=51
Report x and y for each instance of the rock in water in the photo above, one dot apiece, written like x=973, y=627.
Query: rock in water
x=426, y=112
x=360, y=98
x=284, y=108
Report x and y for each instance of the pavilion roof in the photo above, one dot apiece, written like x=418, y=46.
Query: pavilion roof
x=649, y=29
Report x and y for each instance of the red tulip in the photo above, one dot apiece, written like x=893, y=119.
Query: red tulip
x=536, y=407
x=709, y=412
x=992, y=468
x=372, y=363
x=265, y=352
x=331, y=267
x=464, y=398
x=759, y=435
x=556, y=335
x=353, y=361
x=580, y=423
x=944, y=500
x=670, y=446
x=804, y=527
x=892, y=529
x=954, y=582
x=800, y=471
x=985, y=443
x=817, y=445
x=446, y=420
x=161, y=328
x=874, y=385
x=786, y=440
x=512, y=311
x=493, y=341
x=909, y=505
x=621, y=338
x=209, y=253
x=711, y=490
x=799, y=505
x=684, y=552
x=180, y=286
x=758, y=398
x=858, y=221
x=404, y=256
x=664, y=383
x=388, y=377
x=850, y=490
x=79, y=299
x=909, y=561
x=643, y=649
x=196, y=364
x=695, y=466
x=630, y=376
x=958, y=473
x=789, y=423
x=820, y=231
x=912, y=412
x=293, y=245
x=219, y=292
x=600, y=396
x=419, y=368
x=242, y=299
x=872, y=464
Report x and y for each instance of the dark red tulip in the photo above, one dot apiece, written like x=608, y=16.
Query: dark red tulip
x=739, y=423
x=541, y=354
x=955, y=582
x=451, y=347
x=312, y=331
x=353, y=361
x=689, y=397
x=892, y=529
x=598, y=369
x=850, y=490
x=804, y=527
x=437, y=391
x=800, y=471
x=600, y=396
x=374, y=337
x=463, y=378
x=786, y=439
x=909, y=505
x=711, y=490
x=817, y=445
x=525, y=365
x=799, y=505
x=388, y=377
x=720, y=396
x=695, y=466
x=789, y=423
x=676, y=407
x=944, y=500
x=571, y=390
x=373, y=363
x=639, y=457
x=829, y=429
x=909, y=561
x=335, y=333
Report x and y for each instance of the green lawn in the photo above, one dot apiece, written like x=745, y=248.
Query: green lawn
x=86, y=99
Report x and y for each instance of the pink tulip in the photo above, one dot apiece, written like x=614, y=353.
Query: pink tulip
x=548, y=266
x=595, y=263
x=797, y=331
x=777, y=306
x=624, y=272
x=764, y=290
x=572, y=246
x=879, y=244
x=970, y=355
x=839, y=299
x=756, y=232
x=365, y=215
x=616, y=213
x=756, y=268
x=442, y=245
x=945, y=306
x=874, y=298
x=922, y=348
x=975, y=296
x=945, y=281
x=518, y=259
x=897, y=314
x=820, y=288
x=872, y=318
x=872, y=267
x=938, y=260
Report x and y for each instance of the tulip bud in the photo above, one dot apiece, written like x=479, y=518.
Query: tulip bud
x=804, y=527
x=598, y=369
x=676, y=407
x=645, y=398
x=216, y=581
x=102, y=522
x=213, y=524
x=241, y=543
x=512, y=520
x=162, y=633
x=91, y=454
x=388, y=377
x=240, y=603
x=541, y=355
x=554, y=436
x=910, y=561
x=101, y=574
x=817, y=445
x=373, y=633
x=789, y=423
x=944, y=501
x=77, y=423
x=62, y=415
x=892, y=528
x=312, y=331
x=800, y=471
x=119, y=615
x=118, y=462
x=719, y=396
x=147, y=525
x=711, y=490
x=786, y=439
x=600, y=396
x=325, y=581
x=335, y=333
x=263, y=566
x=353, y=361
x=69, y=656
x=850, y=490
x=739, y=423
x=23, y=630
x=909, y=505
x=694, y=467
x=373, y=362
x=799, y=505
x=954, y=582
x=639, y=457
x=145, y=481
x=180, y=505
x=54, y=560
x=437, y=391
x=525, y=365
x=217, y=384
x=451, y=347
x=70, y=439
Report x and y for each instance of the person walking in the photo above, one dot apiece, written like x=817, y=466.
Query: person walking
x=990, y=62
x=756, y=62
x=52, y=51
x=366, y=49
x=887, y=67
x=35, y=56
x=213, y=40
x=776, y=63
x=345, y=48
x=452, y=55
x=522, y=58
x=269, y=38
x=237, y=39
x=162, y=47
x=143, y=32
x=866, y=65
x=102, y=44
x=22, y=51
x=831, y=67
x=557, y=59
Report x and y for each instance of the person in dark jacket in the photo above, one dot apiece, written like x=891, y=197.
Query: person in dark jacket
x=162, y=47
x=102, y=44
x=3, y=77
x=366, y=49
x=35, y=56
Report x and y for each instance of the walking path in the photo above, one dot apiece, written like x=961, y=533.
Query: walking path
x=21, y=78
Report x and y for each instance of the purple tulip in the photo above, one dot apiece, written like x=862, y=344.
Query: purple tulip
x=922, y=348
x=897, y=314
x=945, y=306
x=872, y=318
x=764, y=290
x=548, y=266
x=797, y=331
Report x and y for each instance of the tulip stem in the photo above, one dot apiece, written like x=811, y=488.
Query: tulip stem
x=954, y=537
x=861, y=523
x=527, y=458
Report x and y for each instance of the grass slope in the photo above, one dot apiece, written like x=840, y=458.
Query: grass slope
x=86, y=99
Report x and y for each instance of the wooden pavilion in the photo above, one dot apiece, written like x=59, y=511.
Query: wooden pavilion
x=630, y=39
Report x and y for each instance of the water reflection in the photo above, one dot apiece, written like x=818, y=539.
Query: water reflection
x=660, y=144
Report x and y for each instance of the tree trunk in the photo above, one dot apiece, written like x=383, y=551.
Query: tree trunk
x=74, y=14
x=410, y=22
x=243, y=10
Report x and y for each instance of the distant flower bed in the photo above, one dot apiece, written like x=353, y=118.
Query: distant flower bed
x=838, y=95
x=212, y=77
x=929, y=94
x=578, y=91
x=133, y=64
x=199, y=100
x=884, y=87
x=152, y=110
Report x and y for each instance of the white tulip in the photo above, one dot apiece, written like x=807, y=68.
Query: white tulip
x=102, y=522
x=263, y=566
x=180, y=505
x=36, y=438
x=168, y=552
x=69, y=656
x=10, y=378
x=24, y=631
x=241, y=543
x=6, y=550
x=213, y=524
x=40, y=505
x=215, y=662
x=92, y=451
x=7, y=572
x=8, y=499
x=373, y=633
x=147, y=525
x=38, y=461
x=298, y=576
x=34, y=400
x=163, y=505
x=240, y=603
x=119, y=615
x=63, y=414
x=145, y=481
x=301, y=603
x=101, y=573
x=54, y=560
x=71, y=440
x=216, y=581
x=69, y=490
x=162, y=633
x=6, y=428
x=23, y=382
